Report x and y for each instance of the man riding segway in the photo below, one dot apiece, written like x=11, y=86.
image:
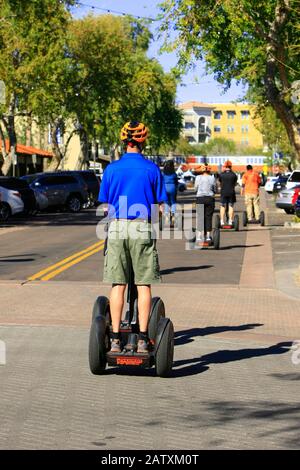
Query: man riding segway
x=228, y=181
x=131, y=187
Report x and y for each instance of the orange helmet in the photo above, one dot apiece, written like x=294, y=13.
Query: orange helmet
x=200, y=169
x=135, y=132
x=227, y=164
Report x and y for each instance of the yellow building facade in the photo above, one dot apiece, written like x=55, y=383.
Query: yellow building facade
x=236, y=122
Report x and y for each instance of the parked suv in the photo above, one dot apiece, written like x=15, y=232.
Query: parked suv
x=10, y=203
x=22, y=187
x=92, y=182
x=61, y=189
x=294, y=179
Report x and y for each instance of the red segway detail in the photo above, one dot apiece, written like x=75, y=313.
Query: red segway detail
x=129, y=361
x=227, y=226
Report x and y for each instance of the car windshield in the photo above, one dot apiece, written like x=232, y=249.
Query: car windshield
x=13, y=183
x=29, y=178
x=295, y=177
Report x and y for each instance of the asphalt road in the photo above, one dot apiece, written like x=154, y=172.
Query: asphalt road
x=64, y=247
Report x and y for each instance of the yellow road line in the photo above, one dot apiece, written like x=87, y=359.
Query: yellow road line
x=65, y=260
x=67, y=266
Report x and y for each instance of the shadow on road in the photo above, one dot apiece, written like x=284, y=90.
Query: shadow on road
x=200, y=364
x=265, y=419
x=185, y=268
x=186, y=336
x=237, y=246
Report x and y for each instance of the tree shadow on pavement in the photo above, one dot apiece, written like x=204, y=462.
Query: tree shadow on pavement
x=196, y=365
x=269, y=423
x=186, y=336
x=177, y=269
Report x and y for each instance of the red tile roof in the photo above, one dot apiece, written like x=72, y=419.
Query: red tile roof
x=27, y=150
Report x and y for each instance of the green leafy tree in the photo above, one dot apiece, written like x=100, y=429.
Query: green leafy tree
x=257, y=42
x=119, y=81
x=28, y=38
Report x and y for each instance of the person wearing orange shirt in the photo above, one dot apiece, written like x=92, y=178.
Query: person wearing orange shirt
x=251, y=182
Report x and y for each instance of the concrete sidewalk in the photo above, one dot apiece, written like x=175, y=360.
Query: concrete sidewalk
x=234, y=383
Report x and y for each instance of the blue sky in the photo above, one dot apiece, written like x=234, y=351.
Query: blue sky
x=196, y=85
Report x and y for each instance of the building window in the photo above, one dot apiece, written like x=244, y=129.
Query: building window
x=230, y=129
x=245, y=129
x=189, y=125
x=217, y=114
x=201, y=125
x=245, y=114
x=230, y=114
x=217, y=129
x=244, y=142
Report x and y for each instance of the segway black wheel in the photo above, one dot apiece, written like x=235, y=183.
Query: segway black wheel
x=236, y=223
x=216, y=238
x=156, y=313
x=164, y=349
x=262, y=219
x=192, y=239
x=245, y=219
x=217, y=221
x=99, y=336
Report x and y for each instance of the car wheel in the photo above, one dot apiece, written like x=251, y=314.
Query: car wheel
x=5, y=212
x=74, y=204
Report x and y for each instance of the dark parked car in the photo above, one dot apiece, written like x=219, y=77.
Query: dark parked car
x=22, y=187
x=92, y=182
x=67, y=190
x=280, y=183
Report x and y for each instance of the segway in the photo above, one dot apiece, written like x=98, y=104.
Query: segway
x=233, y=227
x=260, y=221
x=197, y=245
x=160, y=331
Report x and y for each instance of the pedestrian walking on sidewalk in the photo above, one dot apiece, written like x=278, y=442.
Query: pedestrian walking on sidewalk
x=251, y=182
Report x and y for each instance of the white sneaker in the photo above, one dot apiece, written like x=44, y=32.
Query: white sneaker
x=230, y=222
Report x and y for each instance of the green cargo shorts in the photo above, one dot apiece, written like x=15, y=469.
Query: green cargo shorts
x=130, y=242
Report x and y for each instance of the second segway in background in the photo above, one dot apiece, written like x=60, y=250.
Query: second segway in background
x=234, y=225
x=213, y=241
x=204, y=236
x=251, y=182
x=260, y=220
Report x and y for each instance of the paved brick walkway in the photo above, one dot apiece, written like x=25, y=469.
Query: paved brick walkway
x=235, y=382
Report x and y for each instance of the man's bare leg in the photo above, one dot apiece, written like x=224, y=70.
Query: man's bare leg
x=222, y=214
x=144, y=305
x=116, y=305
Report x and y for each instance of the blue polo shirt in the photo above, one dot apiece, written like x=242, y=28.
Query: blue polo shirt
x=131, y=186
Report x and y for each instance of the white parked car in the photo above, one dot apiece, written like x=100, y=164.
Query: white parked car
x=10, y=203
x=293, y=180
x=269, y=186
